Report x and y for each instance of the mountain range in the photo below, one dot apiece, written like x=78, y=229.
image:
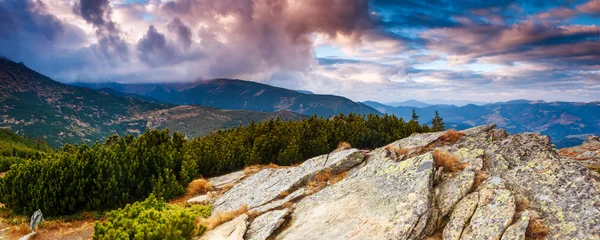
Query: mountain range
x=567, y=123
x=240, y=95
x=33, y=104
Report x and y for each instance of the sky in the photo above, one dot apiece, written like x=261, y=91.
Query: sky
x=381, y=50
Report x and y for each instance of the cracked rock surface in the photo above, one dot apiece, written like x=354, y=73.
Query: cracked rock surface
x=507, y=181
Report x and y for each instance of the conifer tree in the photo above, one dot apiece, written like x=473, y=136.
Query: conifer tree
x=437, y=123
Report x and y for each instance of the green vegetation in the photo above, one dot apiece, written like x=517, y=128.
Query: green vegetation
x=437, y=123
x=16, y=149
x=152, y=219
x=128, y=169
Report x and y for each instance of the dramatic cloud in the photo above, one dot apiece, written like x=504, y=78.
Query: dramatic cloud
x=382, y=50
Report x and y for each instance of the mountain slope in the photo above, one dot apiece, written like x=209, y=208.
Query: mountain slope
x=565, y=123
x=33, y=104
x=242, y=95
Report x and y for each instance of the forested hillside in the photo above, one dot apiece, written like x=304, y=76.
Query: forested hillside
x=126, y=169
x=17, y=149
x=33, y=104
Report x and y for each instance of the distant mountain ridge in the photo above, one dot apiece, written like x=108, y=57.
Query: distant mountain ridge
x=567, y=123
x=241, y=95
x=33, y=104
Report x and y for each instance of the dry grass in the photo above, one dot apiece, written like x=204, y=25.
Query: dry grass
x=447, y=161
x=536, y=229
x=344, y=145
x=21, y=229
x=323, y=179
x=198, y=186
x=451, y=136
x=480, y=176
x=522, y=203
x=252, y=169
x=400, y=153
x=284, y=194
x=219, y=218
x=568, y=152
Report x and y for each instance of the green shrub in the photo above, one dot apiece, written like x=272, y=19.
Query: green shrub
x=150, y=219
x=128, y=169
x=120, y=171
x=6, y=162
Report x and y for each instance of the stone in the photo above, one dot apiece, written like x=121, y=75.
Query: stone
x=268, y=184
x=518, y=229
x=232, y=230
x=278, y=203
x=266, y=224
x=383, y=200
x=202, y=199
x=494, y=213
x=449, y=192
x=460, y=217
x=564, y=193
x=227, y=179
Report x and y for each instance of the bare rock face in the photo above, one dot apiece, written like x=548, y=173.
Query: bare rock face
x=586, y=154
x=494, y=213
x=268, y=184
x=508, y=181
x=383, y=200
x=232, y=230
x=517, y=230
x=264, y=225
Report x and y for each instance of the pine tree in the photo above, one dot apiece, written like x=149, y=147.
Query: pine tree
x=437, y=123
x=415, y=117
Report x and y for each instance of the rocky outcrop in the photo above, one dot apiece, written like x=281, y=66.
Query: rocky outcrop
x=587, y=154
x=402, y=192
x=264, y=225
x=268, y=184
x=384, y=200
x=232, y=230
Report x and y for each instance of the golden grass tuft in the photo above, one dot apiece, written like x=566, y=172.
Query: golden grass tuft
x=480, y=176
x=252, y=169
x=344, y=145
x=21, y=229
x=322, y=179
x=219, y=218
x=522, y=203
x=451, y=136
x=400, y=153
x=536, y=229
x=284, y=194
x=447, y=161
x=198, y=186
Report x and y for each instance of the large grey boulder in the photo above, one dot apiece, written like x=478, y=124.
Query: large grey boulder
x=230, y=178
x=383, y=200
x=460, y=217
x=449, y=192
x=264, y=225
x=409, y=197
x=564, y=193
x=268, y=184
x=494, y=213
x=517, y=230
x=232, y=230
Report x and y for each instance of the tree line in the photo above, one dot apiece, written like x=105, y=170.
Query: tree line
x=127, y=169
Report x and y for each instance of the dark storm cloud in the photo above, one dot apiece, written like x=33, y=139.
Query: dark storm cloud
x=184, y=34
x=99, y=14
x=18, y=16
